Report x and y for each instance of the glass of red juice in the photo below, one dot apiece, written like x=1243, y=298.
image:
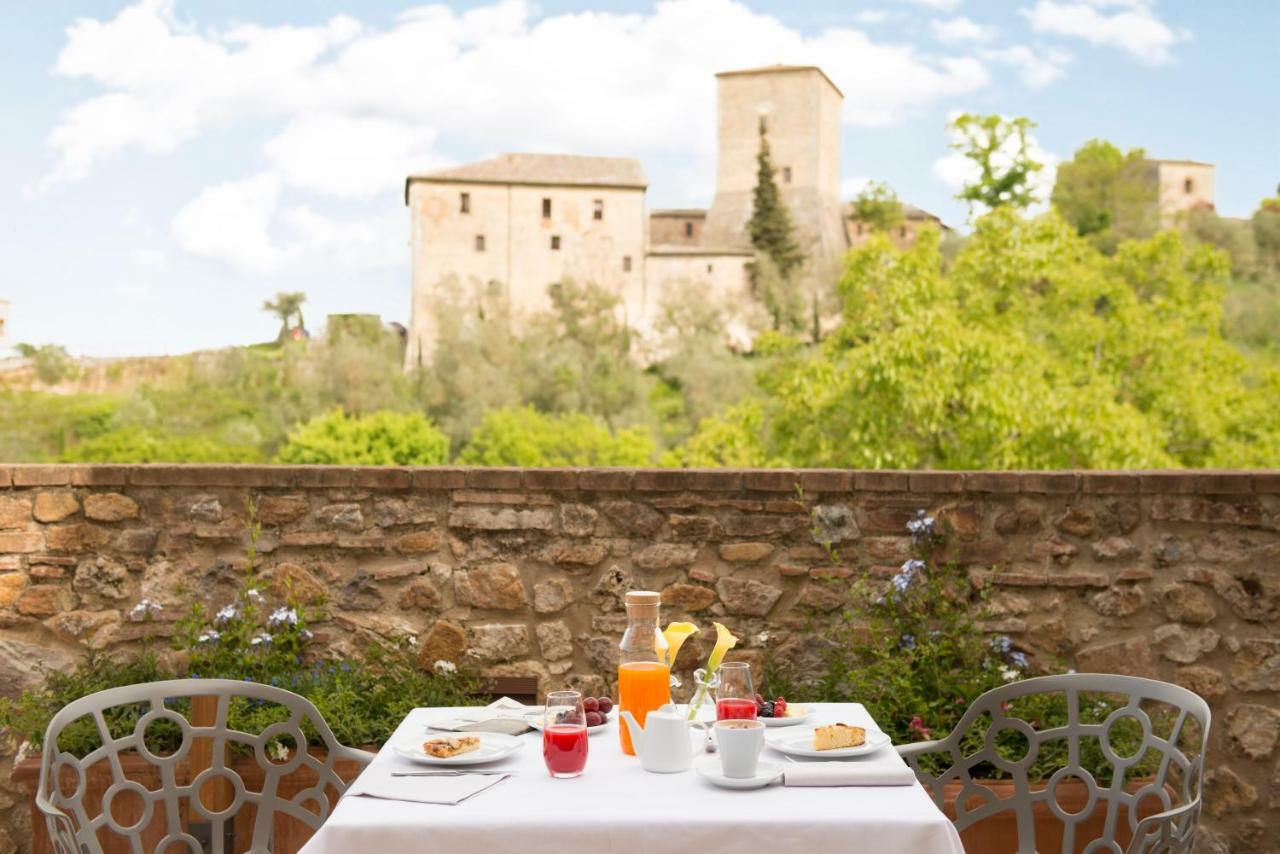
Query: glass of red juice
x=564, y=734
x=735, y=697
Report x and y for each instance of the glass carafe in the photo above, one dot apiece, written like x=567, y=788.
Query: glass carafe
x=644, y=680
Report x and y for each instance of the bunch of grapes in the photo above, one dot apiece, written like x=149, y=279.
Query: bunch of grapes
x=771, y=708
x=596, y=708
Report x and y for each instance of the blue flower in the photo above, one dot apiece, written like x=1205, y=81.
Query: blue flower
x=1002, y=644
x=921, y=526
x=1018, y=659
x=902, y=580
x=908, y=641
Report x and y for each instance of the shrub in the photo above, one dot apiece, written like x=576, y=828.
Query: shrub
x=381, y=439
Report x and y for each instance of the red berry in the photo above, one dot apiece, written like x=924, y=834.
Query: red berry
x=594, y=719
x=780, y=707
x=591, y=704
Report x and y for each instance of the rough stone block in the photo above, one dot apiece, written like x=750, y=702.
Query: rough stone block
x=21, y=542
x=1253, y=729
x=747, y=596
x=745, y=552
x=665, y=555
x=45, y=600
x=419, y=542
x=552, y=595
x=1131, y=657
x=281, y=509
x=110, y=507
x=14, y=512
x=496, y=585
x=55, y=506
x=555, y=640
x=688, y=597
x=1256, y=667
x=501, y=518
x=499, y=642
x=1183, y=645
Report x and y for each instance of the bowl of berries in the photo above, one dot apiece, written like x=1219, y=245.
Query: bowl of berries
x=778, y=712
x=599, y=712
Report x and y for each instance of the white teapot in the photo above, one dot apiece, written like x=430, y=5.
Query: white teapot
x=663, y=743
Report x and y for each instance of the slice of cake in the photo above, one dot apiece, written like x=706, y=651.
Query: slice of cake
x=837, y=736
x=443, y=748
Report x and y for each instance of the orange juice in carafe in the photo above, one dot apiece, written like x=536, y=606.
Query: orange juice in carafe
x=644, y=680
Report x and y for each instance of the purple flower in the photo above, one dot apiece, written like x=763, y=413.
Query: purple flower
x=1018, y=659
x=1002, y=644
x=902, y=580
x=908, y=641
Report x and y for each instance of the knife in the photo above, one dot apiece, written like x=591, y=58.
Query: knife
x=445, y=773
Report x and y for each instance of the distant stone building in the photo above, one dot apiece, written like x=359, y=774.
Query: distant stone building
x=1180, y=187
x=914, y=219
x=520, y=222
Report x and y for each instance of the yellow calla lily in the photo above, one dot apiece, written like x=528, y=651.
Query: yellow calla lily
x=725, y=641
x=675, y=635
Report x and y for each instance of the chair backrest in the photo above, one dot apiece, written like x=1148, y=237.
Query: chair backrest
x=1172, y=721
x=214, y=793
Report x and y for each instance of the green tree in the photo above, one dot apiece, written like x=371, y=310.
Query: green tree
x=878, y=206
x=286, y=306
x=1106, y=194
x=52, y=362
x=773, y=237
x=1266, y=232
x=525, y=437
x=379, y=439
x=1033, y=351
x=998, y=147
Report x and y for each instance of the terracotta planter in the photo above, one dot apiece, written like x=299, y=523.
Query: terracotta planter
x=998, y=834
x=290, y=835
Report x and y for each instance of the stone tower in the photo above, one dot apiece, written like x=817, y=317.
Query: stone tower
x=801, y=109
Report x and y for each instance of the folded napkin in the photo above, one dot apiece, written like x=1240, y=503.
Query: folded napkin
x=850, y=772
x=450, y=791
x=503, y=715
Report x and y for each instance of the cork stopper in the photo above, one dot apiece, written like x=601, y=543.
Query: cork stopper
x=643, y=603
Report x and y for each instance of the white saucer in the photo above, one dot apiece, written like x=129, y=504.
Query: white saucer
x=708, y=767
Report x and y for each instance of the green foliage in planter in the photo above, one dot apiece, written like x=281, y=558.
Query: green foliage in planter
x=916, y=656
x=362, y=699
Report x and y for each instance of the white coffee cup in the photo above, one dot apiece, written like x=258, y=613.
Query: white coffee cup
x=739, y=743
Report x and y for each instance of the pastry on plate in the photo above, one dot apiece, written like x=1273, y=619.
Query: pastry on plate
x=444, y=748
x=838, y=736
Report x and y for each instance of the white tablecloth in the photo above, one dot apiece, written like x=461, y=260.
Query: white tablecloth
x=615, y=807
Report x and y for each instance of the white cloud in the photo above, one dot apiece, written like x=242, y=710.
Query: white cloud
x=1039, y=67
x=960, y=29
x=151, y=259
x=1134, y=28
x=355, y=107
x=850, y=187
x=231, y=222
x=349, y=156
x=938, y=5
x=955, y=170
x=871, y=16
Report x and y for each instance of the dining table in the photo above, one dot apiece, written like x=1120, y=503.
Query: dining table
x=616, y=807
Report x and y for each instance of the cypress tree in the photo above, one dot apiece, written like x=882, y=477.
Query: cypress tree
x=770, y=225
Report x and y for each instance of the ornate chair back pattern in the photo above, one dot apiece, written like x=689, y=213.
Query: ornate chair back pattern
x=75, y=831
x=1170, y=831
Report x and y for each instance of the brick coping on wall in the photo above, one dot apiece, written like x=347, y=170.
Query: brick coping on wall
x=826, y=481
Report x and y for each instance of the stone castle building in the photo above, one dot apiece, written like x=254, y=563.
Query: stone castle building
x=1179, y=187
x=517, y=223
x=521, y=222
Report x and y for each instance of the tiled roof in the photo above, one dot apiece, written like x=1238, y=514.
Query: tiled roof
x=546, y=169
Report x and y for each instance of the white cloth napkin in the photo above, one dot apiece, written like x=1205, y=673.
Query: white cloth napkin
x=503, y=708
x=450, y=791
x=848, y=773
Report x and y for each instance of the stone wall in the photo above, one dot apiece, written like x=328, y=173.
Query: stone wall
x=1171, y=575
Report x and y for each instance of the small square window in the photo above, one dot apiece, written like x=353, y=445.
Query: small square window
x=1188, y=186
x=710, y=268
x=786, y=174
x=546, y=209
x=597, y=209
x=464, y=202
x=688, y=229
x=479, y=242
x=555, y=242
x=626, y=263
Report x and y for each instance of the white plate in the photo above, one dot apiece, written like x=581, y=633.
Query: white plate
x=493, y=746
x=709, y=769
x=799, y=742
x=788, y=721
x=535, y=720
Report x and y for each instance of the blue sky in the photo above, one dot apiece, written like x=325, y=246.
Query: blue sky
x=167, y=166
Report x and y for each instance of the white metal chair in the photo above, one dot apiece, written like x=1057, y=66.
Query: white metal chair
x=1170, y=831
x=74, y=830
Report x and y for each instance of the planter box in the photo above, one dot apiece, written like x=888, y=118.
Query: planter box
x=290, y=835
x=998, y=834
